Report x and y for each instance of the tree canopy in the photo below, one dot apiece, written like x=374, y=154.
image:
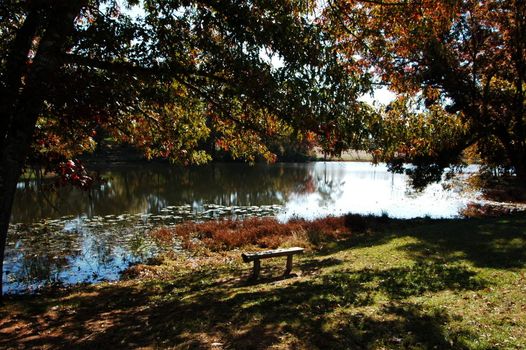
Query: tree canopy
x=459, y=68
x=166, y=79
x=177, y=77
x=166, y=76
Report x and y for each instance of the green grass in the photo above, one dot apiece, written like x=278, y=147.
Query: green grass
x=418, y=284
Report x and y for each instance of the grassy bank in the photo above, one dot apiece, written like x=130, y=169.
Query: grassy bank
x=371, y=283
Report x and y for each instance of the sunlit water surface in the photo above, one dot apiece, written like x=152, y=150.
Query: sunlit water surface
x=69, y=236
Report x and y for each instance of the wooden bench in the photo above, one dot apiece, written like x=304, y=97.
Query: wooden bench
x=257, y=256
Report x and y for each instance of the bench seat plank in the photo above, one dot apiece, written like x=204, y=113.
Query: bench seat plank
x=247, y=257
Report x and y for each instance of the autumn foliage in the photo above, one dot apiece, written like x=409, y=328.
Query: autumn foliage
x=462, y=63
x=178, y=80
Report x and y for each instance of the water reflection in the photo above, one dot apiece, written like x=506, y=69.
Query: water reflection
x=70, y=236
x=149, y=189
x=362, y=188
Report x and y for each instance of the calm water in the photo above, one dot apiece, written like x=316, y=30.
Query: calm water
x=71, y=236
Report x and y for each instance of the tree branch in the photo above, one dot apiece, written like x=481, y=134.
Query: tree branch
x=169, y=70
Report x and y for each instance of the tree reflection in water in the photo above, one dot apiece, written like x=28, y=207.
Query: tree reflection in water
x=150, y=188
x=72, y=236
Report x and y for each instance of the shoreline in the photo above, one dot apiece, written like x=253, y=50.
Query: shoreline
x=404, y=283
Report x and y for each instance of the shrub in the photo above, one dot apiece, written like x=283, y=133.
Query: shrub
x=261, y=232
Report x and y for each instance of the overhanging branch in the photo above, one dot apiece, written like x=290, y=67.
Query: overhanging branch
x=166, y=71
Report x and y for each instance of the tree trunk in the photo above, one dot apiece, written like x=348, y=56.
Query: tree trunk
x=26, y=106
x=11, y=164
x=520, y=166
x=15, y=69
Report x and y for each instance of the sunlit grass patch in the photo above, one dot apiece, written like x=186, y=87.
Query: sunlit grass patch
x=416, y=284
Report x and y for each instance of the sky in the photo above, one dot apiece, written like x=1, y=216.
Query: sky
x=381, y=96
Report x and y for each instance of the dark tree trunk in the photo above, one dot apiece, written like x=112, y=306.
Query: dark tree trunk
x=15, y=71
x=24, y=103
x=519, y=164
x=11, y=164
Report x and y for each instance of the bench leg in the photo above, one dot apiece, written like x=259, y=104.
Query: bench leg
x=289, y=265
x=257, y=267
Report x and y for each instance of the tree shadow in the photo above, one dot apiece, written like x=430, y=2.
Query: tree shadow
x=274, y=273
x=486, y=242
x=193, y=311
x=196, y=309
x=495, y=243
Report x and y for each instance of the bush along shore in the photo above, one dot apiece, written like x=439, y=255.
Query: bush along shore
x=364, y=282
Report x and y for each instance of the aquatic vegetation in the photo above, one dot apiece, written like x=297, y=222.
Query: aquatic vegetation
x=71, y=250
x=266, y=232
x=401, y=284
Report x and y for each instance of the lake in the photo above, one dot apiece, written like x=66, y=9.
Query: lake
x=71, y=236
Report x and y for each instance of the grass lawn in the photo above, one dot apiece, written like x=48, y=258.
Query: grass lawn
x=417, y=284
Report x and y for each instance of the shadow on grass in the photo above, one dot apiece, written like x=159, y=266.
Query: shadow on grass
x=194, y=311
x=197, y=309
x=494, y=243
x=489, y=242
